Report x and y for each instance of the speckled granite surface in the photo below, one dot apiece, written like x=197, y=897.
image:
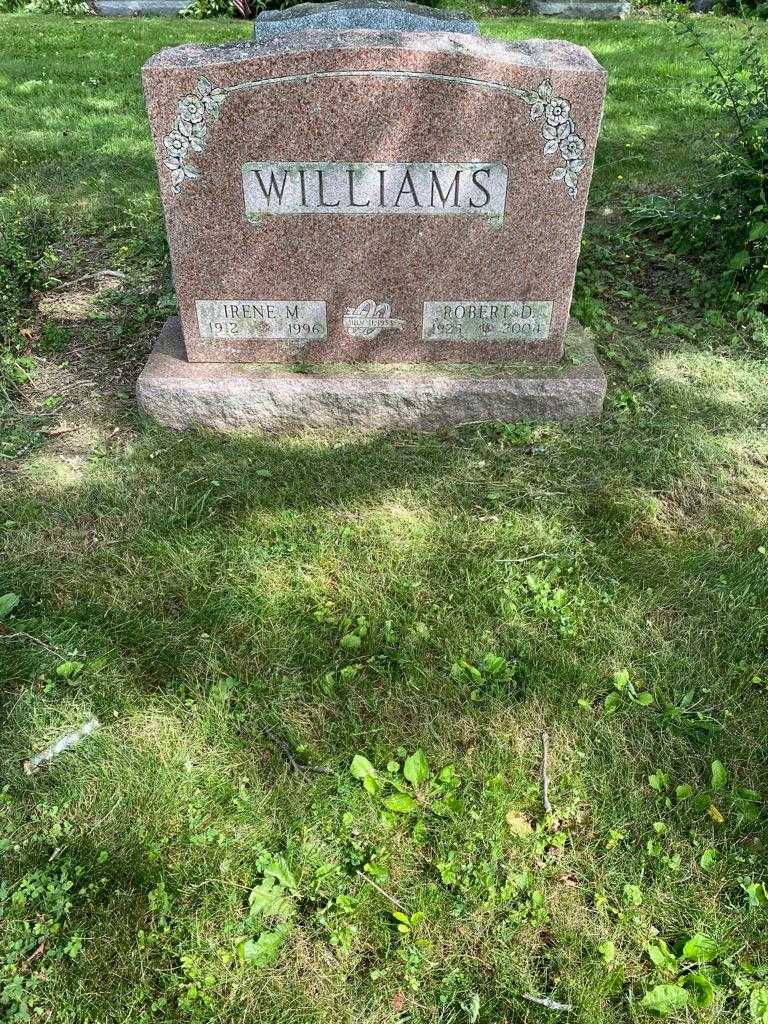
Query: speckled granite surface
x=365, y=397
x=358, y=103
x=592, y=9
x=380, y=15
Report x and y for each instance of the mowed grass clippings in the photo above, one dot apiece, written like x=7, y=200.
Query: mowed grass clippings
x=237, y=612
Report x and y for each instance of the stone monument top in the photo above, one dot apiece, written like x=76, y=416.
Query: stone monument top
x=376, y=15
x=372, y=226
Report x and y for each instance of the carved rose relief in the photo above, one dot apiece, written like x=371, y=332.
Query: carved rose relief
x=190, y=127
x=559, y=133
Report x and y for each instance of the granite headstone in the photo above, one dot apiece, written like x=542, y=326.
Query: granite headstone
x=376, y=15
x=373, y=196
x=595, y=10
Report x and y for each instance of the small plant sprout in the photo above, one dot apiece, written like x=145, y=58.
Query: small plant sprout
x=625, y=693
x=420, y=790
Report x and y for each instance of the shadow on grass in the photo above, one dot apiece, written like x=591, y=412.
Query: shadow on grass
x=195, y=556
x=210, y=585
x=78, y=130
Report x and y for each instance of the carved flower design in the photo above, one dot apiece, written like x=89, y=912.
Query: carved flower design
x=210, y=98
x=572, y=147
x=191, y=110
x=198, y=108
x=557, y=111
x=558, y=131
x=190, y=129
x=176, y=143
x=194, y=133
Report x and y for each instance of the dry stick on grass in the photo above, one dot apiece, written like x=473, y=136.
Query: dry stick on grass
x=527, y=558
x=284, y=749
x=383, y=892
x=545, y=772
x=59, y=746
x=117, y=274
x=550, y=1004
x=34, y=955
x=28, y=638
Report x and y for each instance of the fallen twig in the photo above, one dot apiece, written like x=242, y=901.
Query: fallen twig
x=54, y=749
x=550, y=1004
x=118, y=274
x=526, y=558
x=284, y=748
x=545, y=772
x=32, y=640
x=383, y=892
x=34, y=955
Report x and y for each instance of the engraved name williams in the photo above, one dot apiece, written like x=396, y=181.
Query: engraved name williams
x=375, y=188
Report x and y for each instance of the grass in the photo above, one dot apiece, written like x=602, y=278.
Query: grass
x=78, y=121
x=457, y=594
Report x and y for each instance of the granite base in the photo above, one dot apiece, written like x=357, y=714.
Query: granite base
x=590, y=9
x=240, y=397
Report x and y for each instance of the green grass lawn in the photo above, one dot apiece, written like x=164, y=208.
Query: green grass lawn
x=457, y=594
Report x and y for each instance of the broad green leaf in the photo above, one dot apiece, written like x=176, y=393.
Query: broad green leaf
x=371, y=785
x=400, y=916
x=607, y=951
x=659, y=781
x=758, y=1005
x=612, y=703
x=719, y=775
x=447, y=777
x=715, y=814
x=664, y=999
x=757, y=894
x=683, y=792
x=746, y=802
x=7, y=603
x=416, y=768
x=518, y=825
x=633, y=895
x=262, y=951
x=700, y=988
x=701, y=948
x=740, y=260
x=453, y=803
x=269, y=900
x=644, y=699
x=401, y=803
x=278, y=868
x=708, y=859
x=621, y=679
x=69, y=669
x=222, y=689
x=662, y=956
x=361, y=768
x=759, y=230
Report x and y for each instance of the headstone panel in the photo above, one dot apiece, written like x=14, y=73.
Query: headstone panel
x=380, y=15
x=596, y=10
x=378, y=197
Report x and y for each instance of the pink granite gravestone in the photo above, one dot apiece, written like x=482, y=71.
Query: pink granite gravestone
x=348, y=200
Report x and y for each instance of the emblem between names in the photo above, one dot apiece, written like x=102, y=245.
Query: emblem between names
x=369, y=319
